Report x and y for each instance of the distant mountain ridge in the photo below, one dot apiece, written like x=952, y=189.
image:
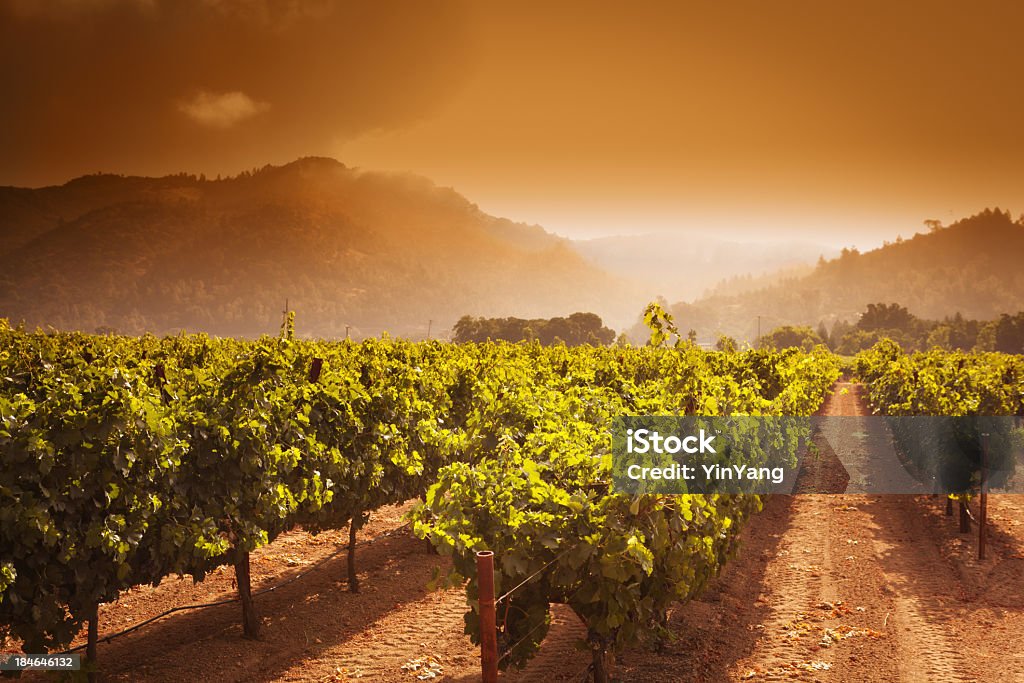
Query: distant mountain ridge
x=363, y=252
x=972, y=267
x=344, y=247
x=686, y=265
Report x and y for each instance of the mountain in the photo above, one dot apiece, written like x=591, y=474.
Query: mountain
x=683, y=266
x=344, y=247
x=972, y=267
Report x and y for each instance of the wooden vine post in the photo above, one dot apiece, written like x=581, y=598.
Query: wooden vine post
x=353, y=527
x=93, y=638
x=488, y=617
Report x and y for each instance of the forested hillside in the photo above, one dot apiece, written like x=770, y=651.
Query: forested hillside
x=971, y=267
x=343, y=247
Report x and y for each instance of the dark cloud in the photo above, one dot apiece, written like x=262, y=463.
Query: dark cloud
x=577, y=113
x=151, y=86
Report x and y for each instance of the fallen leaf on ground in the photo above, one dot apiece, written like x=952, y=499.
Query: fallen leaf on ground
x=425, y=668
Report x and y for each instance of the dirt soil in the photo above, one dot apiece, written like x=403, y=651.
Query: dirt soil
x=833, y=587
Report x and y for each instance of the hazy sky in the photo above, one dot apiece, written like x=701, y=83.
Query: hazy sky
x=842, y=123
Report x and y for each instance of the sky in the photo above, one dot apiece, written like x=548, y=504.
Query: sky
x=836, y=123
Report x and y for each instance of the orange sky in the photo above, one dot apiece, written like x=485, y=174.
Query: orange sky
x=842, y=123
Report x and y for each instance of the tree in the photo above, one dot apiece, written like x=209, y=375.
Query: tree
x=939, y=337
x=467, y=329
x=987, y=337
x=839, y=330
x=726, y=343
x=855, y=341
x=578, y=328
x=802, y=337
x=823, y=333
x=887, y=317
x=1009, y=333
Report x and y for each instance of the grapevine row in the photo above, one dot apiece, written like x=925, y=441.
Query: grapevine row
x=940, y=403
x=127, y=460
x=540, y=500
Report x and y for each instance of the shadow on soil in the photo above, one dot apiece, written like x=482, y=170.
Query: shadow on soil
x=711, y=633
x=931, y=561
x=317, y=606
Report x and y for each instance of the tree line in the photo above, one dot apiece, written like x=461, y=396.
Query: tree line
x=577, y=329
x=893, y=321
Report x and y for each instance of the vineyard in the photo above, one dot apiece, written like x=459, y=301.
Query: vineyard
x=128, y=461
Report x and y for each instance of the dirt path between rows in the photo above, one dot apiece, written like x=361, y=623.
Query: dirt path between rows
x=824, y=588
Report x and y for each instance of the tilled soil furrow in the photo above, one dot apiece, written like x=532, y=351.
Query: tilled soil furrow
x=795, y=586
x=921, y=583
